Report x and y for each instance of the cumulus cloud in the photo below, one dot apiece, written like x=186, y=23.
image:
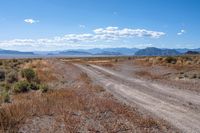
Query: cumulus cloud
x=115, y=32
x=181, y=32
x=100, y=34
x=30, y=21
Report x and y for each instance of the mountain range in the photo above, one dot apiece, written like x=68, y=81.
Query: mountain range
x=2, y=51
x=149, y=51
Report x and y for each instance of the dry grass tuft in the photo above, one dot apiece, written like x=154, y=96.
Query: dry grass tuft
x=147, y=75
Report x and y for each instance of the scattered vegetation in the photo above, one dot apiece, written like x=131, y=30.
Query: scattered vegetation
x=2, y=75
x=29, y=74
x=5, y=97
x=87, y=107
x=21, y=86
x=12, y=82
x=12, y=77
x=43, y=88
x=171, y=59
x=148, y=75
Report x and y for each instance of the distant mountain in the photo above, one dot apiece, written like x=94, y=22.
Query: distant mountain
x=149, y=51
x=184, y=50
x=2, y=51
x=152, y=51
x=99, y=51
x=192, y=52
x=74, y=53
x=108, y=53
x=122, y=51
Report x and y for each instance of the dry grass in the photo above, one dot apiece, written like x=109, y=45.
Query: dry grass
x=174, y=62
x=85, y=108
x=64, y=105
x=30, y=105
x=147, y=75
x=43, y=69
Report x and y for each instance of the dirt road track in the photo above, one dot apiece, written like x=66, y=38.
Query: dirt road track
x=178, y=107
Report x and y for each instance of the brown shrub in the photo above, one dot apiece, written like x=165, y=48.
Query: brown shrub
x=147, y=74
x=107, y=64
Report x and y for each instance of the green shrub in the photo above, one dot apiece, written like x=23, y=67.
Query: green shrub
x=5, y=97
x=21, y=86
x=34, y=86
x=1, y=62
x=7, y=87
x=12, y=77
x=171, y=60
x=29, y=74
x=44, y=88
x=2, y=75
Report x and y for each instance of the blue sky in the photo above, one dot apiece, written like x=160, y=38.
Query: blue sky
x=28, y=25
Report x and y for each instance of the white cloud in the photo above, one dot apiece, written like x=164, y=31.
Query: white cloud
x=181, y=32
x=82, y=26
x=30, y=21
x=99, y=35
x=115, y=32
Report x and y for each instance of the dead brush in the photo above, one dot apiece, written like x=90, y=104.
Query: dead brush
x=50, y=103
x=147, y=74
x=85, y=78
x=107, y=64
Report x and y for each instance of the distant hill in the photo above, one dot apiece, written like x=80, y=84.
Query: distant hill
x=149, y=51
x=74, y=53
x=184, y=50
x=152, y=51
x=100, y=51
x=2, y=51
x=122, y=51
x=108, y=53
x=192, y=52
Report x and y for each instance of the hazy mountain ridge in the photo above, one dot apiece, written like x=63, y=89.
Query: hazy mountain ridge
x=2, y=51
x=152, y=51
x=149, y=51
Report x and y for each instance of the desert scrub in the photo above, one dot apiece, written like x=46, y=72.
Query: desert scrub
x=12, y=77
x=21, y=86
x=5, y=97
x=29, y=74
x=34, y=86
x=44, y=88
x=171, y=60
x=2, y=75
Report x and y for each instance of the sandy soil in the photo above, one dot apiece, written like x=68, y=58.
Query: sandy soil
x=180, y=107
x=96, y=110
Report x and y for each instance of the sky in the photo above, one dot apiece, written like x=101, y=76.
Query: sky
x=37, y=25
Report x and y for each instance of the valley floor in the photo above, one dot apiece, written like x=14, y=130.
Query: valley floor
x=103, y=96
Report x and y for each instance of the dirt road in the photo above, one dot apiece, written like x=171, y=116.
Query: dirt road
x=180, y=108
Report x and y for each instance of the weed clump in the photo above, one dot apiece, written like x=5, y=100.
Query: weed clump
x=29, y=74
x=21, y=86
x=170, y=59
x=2, y=75
x=12, y=77
x=34, y=86
x=44, y=88
x=5, y=97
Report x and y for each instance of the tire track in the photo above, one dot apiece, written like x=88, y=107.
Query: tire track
x=178, y=115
